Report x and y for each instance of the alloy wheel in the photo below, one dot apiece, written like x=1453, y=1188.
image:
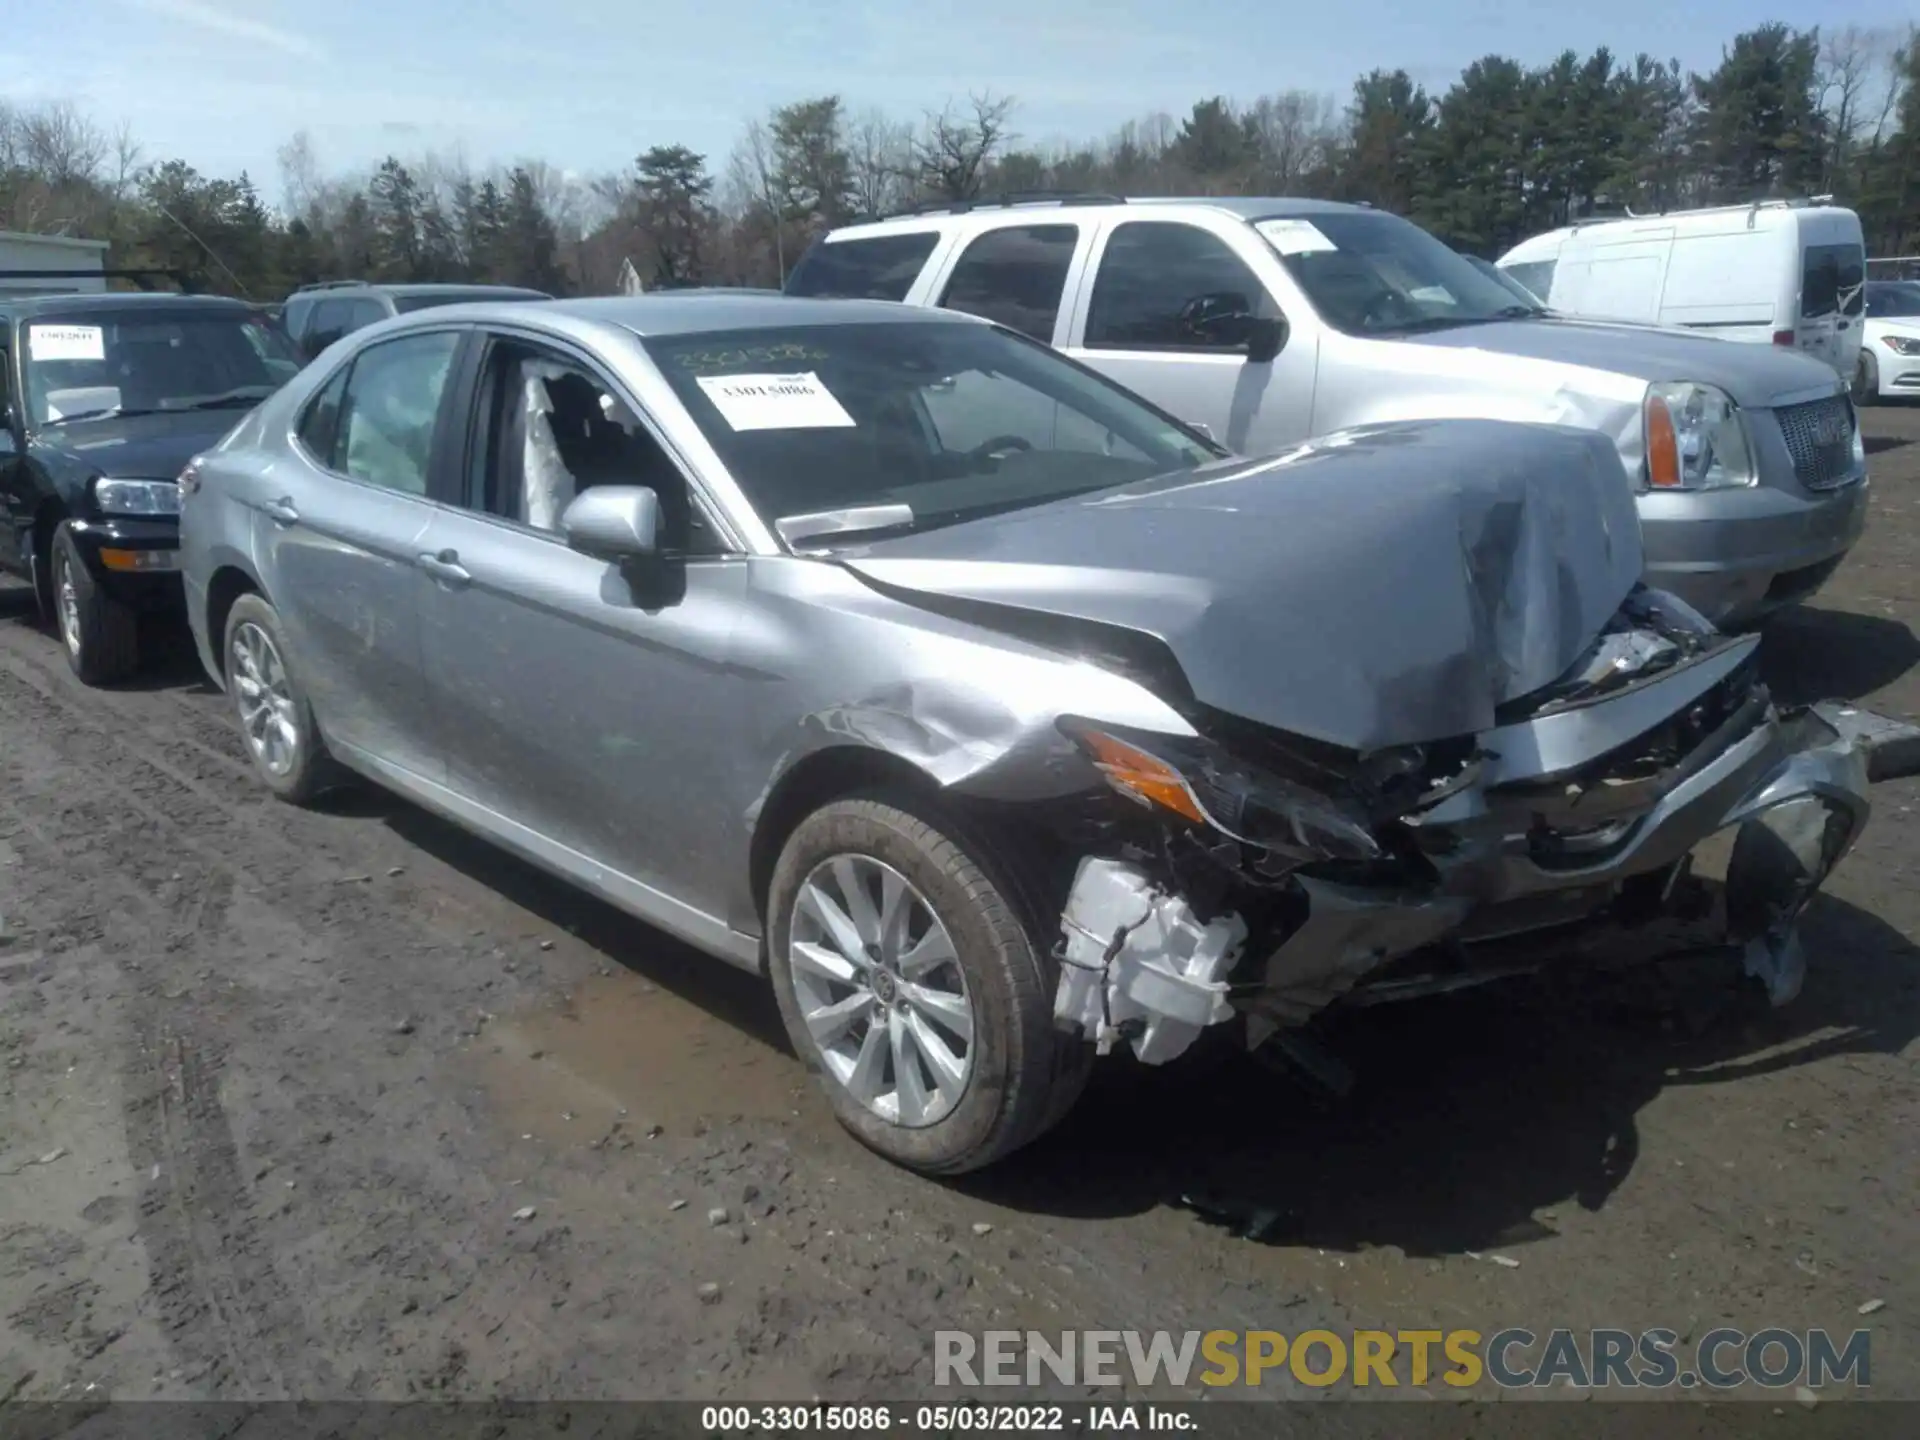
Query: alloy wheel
x=67, y=602
x=879, y=987
x=265, y=699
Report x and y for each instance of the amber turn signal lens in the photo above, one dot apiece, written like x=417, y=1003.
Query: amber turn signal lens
x=1663, y=446
x=1148, y=777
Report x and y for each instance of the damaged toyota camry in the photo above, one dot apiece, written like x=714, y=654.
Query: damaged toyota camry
x=1001, y=719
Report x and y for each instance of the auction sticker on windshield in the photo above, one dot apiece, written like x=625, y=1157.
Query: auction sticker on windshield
x=66, y=342
x=775, y=402
x=1294, y=237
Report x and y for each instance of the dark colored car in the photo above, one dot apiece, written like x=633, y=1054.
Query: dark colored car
x=106, y=398
x=317, y=315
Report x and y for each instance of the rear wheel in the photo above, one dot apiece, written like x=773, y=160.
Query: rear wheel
x=1866, y=381
x=100, y=635
x=913, y=988
x=275, y=720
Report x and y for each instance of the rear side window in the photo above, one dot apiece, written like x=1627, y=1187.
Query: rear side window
x=364, y=312
x=328, y=324
x=882, y=268
x=1832, y=281
x=1016, y=276
x=320, y=427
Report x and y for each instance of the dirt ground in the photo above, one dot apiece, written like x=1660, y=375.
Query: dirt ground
x=345, y=1104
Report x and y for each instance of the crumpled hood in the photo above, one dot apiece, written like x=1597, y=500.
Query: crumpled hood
x=1377, y=587
x=139, y=447
x=1754, y=375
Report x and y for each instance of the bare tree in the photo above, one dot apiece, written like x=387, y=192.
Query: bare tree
x=1854, y=63
x=1292, y=132
x=753, y=184
x=952, y=150
x=61, y=145
x=126, y=164
x=881, y=150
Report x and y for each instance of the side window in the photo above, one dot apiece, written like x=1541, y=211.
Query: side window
x=883, y=268
x=364, y=312
x=1159, y=280
x=293, y=319
x=319, y=428
x=6, y=388
x=554, y=429
x=387, y=415
x=1015, y=275
x=328, y=324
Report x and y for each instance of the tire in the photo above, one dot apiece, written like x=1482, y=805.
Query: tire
x=1866, y=381
x=1021, y=1075
x=101, y=636
x=286, y=748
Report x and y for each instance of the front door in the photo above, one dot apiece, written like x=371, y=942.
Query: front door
x=338, y=539
x=1153, y=281
x=588, y=703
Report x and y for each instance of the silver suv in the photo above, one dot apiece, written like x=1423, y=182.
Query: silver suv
x=1268, y=322
x=1000, y=718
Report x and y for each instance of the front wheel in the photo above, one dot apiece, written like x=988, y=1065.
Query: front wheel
x=1866, y=381
x=913, y=989
x=100, y=635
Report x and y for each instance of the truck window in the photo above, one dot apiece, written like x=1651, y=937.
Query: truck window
x=1151, y=275
x=881, y=268
x=1015, y=275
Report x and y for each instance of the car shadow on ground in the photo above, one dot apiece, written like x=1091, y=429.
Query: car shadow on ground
x=1809, y=654
x=1469, y=1113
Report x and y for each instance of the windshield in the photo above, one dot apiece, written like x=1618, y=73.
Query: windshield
x=952, y=420
x=106, y=364
x=1899, y=300
x=1373, y=274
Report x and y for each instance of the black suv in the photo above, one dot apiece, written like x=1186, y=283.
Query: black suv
x=317, y=315
x=105, y=399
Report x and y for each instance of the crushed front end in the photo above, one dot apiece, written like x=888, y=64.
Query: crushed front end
x=1269, y=877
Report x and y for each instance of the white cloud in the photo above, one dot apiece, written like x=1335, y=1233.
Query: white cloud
x=239, y=27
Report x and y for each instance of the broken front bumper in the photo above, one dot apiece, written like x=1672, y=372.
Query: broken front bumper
x=1138, y=964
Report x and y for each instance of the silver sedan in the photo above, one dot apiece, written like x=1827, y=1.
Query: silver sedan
x=999, y=717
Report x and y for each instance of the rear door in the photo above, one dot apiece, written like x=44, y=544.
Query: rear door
x=338, y=535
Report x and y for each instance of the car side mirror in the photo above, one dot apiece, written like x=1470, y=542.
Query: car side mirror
x=613, y=522
x=1266, y=338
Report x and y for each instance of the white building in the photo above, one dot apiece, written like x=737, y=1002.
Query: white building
x=80, y=263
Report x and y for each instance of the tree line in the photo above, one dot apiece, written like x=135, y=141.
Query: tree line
x=1505, y=152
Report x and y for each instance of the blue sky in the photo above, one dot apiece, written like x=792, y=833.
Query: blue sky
x=587, y=84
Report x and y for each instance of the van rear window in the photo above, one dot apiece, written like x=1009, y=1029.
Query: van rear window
x=1832, y=281
x=883, y=268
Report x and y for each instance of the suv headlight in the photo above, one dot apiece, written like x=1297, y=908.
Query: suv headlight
x=1696, y=439
x=136, y=497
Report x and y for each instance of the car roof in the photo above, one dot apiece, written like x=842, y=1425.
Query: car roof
x=683, y=312
x=25, y=307
x=346, y=289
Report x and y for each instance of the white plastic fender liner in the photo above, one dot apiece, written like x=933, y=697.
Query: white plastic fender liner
x=1138, y=963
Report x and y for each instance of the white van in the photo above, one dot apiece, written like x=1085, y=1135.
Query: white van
x=1779, y=272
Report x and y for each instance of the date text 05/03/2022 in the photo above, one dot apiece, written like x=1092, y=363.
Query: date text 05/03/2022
x=943, y=1419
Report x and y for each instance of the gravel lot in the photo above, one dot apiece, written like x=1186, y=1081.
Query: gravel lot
x=345, y=1104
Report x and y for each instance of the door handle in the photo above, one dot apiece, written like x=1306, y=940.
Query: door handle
x=282, y=511
x=446, y=568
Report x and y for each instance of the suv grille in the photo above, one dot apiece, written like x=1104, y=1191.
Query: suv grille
x=1819, y=436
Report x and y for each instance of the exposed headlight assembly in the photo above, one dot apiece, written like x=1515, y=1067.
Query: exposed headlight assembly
x=1902, y=344
x=1199, y=782
x=1696, y=439
x=136, y=498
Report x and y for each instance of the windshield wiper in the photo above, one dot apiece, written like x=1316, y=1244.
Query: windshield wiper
x=837, y=524
x=110, y=412
x=248, y=395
